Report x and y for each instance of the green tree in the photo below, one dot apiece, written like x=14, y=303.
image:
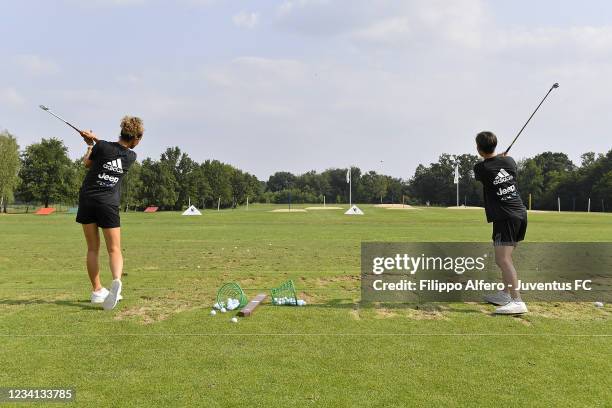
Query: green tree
x=530, y=180
x=281, y=180
x=218, y=176
x=9, y=167
x=159, y=187
x=435, y=183
x=132, y=188
x=46, y=172
x=184, y=171
x=203, y=191
x=603, y=190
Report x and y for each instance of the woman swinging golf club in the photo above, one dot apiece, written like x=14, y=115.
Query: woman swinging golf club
x=99, y=199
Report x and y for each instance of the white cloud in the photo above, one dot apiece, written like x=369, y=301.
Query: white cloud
x=246, y=19
x=130, y=3
x=385, y=31
x=9, y=97
x=35, y=65
x=436, y=24
x=108, y=3
x=460, y=23
x=581, y=39
x=290, y=6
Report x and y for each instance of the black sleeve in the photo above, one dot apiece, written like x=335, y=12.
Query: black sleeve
x=96, y=151
x=132, y=158
x=477, y=168
x=512, y=163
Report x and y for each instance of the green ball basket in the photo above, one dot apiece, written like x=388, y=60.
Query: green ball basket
x=286, y=289
x=231, y=290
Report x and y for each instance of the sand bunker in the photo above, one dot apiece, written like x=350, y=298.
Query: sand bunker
x=395, y=206
x=324, y=208
x=286, y=210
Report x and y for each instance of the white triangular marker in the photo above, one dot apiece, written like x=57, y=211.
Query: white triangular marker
x=192, y=211
x=354, y=210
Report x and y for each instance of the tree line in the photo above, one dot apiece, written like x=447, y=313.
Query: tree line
x=43, y=173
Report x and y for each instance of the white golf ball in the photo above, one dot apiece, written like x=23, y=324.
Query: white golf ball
x=598, y=304
x=223, y=310
x=212, y=312
x=234, y=320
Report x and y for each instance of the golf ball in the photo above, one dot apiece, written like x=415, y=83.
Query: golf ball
x=598, y=304
x=234, y=320
x=223, y=310
x=212, y=312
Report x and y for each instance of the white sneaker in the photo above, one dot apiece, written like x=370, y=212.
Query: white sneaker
x=512, y=308
x=99, y=295
x=113, y=297
x=498, y=298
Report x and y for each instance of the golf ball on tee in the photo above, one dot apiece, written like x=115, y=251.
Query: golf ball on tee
x=234, y=320
x=598, y=304
x=212, y=312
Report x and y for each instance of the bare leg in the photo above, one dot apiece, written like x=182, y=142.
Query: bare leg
x=503, y=259
x=112, y=237
x=92, y=236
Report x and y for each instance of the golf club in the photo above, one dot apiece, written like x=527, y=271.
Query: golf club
x=46, y=109
x=555, y=85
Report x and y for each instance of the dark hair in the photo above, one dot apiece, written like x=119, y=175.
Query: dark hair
x=486, y=142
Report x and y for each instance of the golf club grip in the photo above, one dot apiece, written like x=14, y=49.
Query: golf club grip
x=526, y=123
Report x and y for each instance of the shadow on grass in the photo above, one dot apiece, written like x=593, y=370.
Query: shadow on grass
x=83, y=304
x=426, y=307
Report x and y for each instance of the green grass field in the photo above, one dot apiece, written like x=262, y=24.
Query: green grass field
x=161, y=348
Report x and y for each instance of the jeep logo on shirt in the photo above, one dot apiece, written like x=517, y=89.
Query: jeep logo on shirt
x=106, y=177
x=503, y=191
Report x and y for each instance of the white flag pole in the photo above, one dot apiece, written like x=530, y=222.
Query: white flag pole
x=350, y=187
x=457, y=173
x=456, y=180
x=589, y=207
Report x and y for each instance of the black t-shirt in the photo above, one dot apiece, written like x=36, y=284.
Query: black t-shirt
x=103, y=180
x=501, y=196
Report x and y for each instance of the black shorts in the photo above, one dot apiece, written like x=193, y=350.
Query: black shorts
x=104, y=215
x=509, y=232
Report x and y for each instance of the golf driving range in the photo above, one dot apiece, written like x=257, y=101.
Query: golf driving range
x=161, y=347
x=306, y=203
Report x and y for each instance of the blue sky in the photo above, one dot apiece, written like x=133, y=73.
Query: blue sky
x=310, y=84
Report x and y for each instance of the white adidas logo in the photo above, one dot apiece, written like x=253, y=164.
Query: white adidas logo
x=502, y=177
x=114, y=165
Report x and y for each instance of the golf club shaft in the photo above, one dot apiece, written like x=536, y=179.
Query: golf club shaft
x=534, y=112
x=63, y=120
